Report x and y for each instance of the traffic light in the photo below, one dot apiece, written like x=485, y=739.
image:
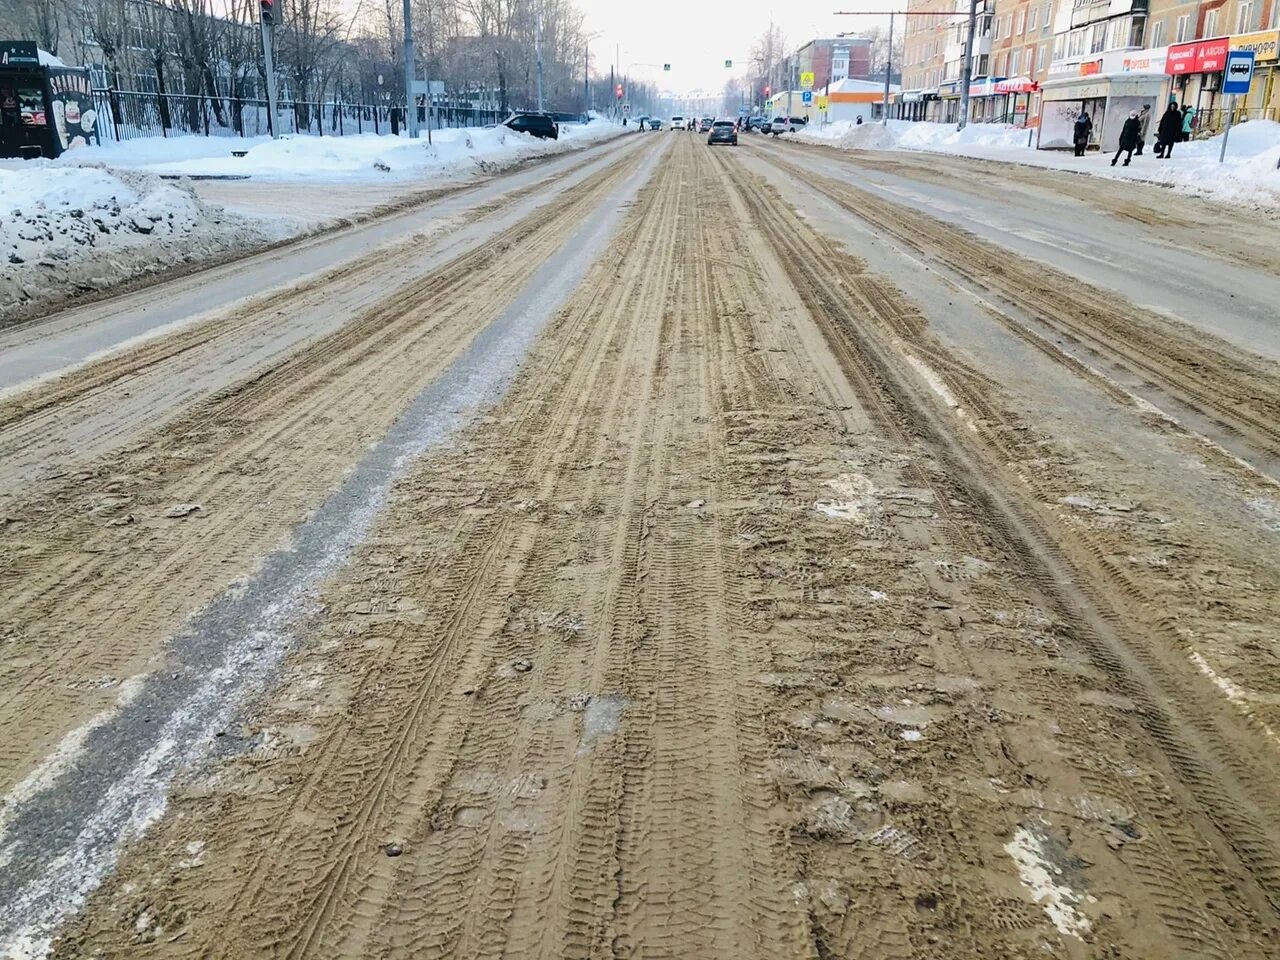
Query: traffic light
x=268, y=9
x=617, y=91
x=766, y=92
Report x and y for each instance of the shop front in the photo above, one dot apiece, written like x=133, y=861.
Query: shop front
x=45, y=108
x=914, y=104
x=1263, y=98
x=1196, y=72
x=986, y=103
x=1106, y=97
x=1018, y=93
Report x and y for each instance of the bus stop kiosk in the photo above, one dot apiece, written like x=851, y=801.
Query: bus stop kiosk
x=46, y=107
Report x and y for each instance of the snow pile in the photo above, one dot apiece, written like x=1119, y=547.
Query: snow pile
x=361, y=156
x=65, y=231
x=1248, y=177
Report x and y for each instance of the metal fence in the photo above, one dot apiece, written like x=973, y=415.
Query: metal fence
x=127, y=115
x=1211, y=122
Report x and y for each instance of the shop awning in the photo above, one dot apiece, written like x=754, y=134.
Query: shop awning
x=1017, y=85
x=987, y=88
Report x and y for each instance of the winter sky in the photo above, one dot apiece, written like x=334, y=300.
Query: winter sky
x=697, y=36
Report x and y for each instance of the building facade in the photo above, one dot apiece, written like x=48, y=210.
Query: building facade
x=1033, y=57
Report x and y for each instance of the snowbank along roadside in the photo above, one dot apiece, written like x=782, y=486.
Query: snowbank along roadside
x=1248, y=177
x=101, y=216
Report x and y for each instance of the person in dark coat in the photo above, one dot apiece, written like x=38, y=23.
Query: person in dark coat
x=1130, y=137
x=1144, y=127
x=1084, y=126
x=1169, y=132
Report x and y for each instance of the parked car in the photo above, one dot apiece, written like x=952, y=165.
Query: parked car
x=655, y=123
x=537, y=124
x=677, y=123
x=757, y=124
x=787, y=125
x=723, y=131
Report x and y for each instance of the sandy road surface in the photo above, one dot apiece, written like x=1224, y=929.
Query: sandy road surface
x=792, y=601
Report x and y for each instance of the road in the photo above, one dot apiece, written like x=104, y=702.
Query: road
x=663, y=551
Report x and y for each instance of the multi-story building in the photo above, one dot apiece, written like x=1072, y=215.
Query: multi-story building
x=1033, y=58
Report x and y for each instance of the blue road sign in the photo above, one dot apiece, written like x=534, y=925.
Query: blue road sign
x=807, y=96
x=1239, y=72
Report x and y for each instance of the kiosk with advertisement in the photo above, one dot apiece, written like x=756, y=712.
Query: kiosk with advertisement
x=46, y=107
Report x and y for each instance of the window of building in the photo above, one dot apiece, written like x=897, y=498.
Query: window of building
x=1184, y=29
x=1244, y=17
x=1157, y=34
x=1076, y=41
x=1019, y=23
x=1031, y=18
x=1031, y=62
x=1008, y=25
x=1098, y=38
x=1138, y=32
x=1013, y=62
x=996, y=29
x=1210, y=24
x=1059, y=46
x=1046, y=19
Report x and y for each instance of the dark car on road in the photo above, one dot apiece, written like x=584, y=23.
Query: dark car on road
x=704, y=126
x=723, y=131
x=538, y=124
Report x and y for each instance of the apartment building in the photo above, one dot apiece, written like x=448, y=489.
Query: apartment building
x=1036, y=57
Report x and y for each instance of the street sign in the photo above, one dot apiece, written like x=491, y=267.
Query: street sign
x=806, y=80
x=1239, y=74
x=822, y=103
x=666, y=66
x=19, y=53
x=806, y=97
x=728, y=64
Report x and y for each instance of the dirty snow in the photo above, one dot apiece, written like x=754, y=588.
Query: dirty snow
x=66, y=231
x=1248, y=177
x=101, y=215
x=1044, y=879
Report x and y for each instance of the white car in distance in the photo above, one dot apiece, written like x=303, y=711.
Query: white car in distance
x=677, y=123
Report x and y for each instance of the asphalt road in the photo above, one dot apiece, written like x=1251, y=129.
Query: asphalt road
x=666, y=550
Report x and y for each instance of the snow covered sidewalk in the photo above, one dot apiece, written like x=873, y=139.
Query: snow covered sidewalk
x=1248, y=177
x=99, y=216
x=364, y=157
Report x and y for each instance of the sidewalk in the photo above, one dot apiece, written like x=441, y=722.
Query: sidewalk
x=1248, y=178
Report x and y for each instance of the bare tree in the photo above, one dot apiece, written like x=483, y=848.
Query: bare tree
x=766, y=59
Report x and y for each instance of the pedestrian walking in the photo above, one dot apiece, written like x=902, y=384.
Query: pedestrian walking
x=1169, y=131
x=1188, y=122
x=1144, y=126
x=1084, y=126
x=1129, y=134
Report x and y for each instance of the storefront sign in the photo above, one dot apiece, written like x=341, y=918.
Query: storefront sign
x=1265, y=44
x=19, y=53
x=1135, y=61
x=1017, y=85
x=1203, y=56
x=1090, y=67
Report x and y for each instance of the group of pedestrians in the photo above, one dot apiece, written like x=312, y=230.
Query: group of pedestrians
x=1176, y=124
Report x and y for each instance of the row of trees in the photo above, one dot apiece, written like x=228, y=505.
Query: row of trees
x=483, y=50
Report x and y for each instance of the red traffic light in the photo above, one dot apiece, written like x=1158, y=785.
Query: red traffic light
x=617, y=91
x=268, y=8
x=766, y=89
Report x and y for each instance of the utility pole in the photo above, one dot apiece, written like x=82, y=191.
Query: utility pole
x=586, y=80
x=537, y=49
x=411, y=104
x=966, y=72
x=888, y=66
x=268, y=65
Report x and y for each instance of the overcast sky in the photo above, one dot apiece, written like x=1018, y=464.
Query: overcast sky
x=697, y=36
